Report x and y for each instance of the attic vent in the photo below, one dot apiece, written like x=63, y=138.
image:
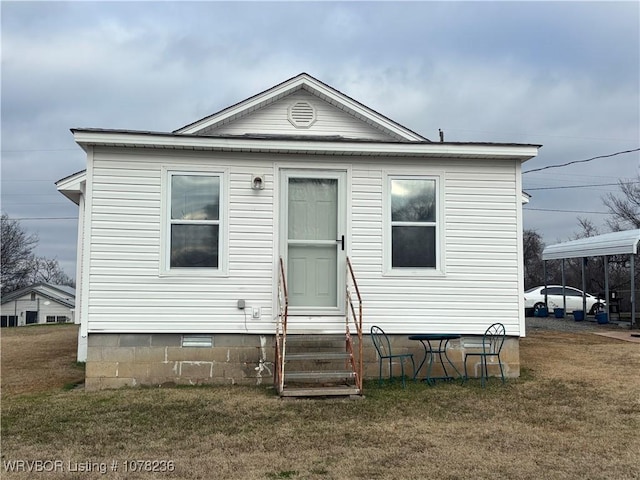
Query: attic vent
x=302, y=115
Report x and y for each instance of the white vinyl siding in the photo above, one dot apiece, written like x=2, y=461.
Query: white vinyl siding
x=43, y=305
x=479, y=242
x=126, y=291
x=480, y=272
x=274, y=120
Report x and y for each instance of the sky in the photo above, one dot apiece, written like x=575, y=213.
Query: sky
x=562, y=74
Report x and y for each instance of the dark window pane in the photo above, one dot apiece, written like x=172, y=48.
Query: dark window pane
x=195, y=197
x=194, y=246
x=413, y=200
x=413, y=247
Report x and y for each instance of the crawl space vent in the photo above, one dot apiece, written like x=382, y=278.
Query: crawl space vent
x=302, y=115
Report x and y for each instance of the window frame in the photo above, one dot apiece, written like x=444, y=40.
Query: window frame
x=388, y=269
x=168, y=171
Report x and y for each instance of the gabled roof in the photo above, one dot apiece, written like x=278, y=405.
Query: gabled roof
x=616, y=243
x=315, y=87
x=62, y=294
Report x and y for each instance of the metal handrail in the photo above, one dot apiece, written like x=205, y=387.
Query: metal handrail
x=281, y=328
x=357, y=320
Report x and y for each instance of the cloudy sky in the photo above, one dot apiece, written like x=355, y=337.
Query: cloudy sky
x=565, y=75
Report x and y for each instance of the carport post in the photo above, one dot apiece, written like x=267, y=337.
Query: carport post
x=633, y=291
x=564, y=293
x=584, y=289
x=606, y=284
x=544, y=274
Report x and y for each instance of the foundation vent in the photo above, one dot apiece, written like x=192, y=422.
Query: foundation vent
x=202, y=341
x=302, y=114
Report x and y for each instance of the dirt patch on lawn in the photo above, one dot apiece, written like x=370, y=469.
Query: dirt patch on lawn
x=39, y=358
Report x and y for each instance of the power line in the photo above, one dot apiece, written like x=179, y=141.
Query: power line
x=41, y=150
x=577, y=186
x=521, y=134
x=582, y=161
x=565, y=211
x=43, y=218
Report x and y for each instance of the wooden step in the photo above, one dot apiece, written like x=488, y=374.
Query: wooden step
x=320, y=392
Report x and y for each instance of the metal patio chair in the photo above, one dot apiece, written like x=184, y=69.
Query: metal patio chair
x=383, y=347
x=492, y=342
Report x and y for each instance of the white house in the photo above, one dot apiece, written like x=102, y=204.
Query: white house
x=38, y=304
x=182, y=237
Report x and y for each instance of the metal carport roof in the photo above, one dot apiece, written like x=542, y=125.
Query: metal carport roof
x=616, y=243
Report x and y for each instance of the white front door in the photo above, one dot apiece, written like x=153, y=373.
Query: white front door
x=313, y=240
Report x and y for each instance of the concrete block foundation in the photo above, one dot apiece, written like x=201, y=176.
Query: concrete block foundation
x=118, y=360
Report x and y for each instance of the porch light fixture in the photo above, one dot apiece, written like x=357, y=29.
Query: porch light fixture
x=257, y=182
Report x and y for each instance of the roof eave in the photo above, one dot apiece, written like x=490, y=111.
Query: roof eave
x=89, y=137
x=72, y=186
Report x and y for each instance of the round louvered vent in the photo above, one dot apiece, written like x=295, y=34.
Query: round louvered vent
x=302, y=115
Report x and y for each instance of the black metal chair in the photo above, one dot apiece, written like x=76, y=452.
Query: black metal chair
x=492, y=342
x=383, y=347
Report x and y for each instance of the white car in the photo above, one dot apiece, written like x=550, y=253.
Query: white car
x=534, y=299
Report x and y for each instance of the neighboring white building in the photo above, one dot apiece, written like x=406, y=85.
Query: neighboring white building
x=38, y=304
x=178, y=231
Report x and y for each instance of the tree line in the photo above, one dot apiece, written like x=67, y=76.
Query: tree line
x=19, y=265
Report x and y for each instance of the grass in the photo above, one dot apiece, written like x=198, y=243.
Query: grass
x=574, y=413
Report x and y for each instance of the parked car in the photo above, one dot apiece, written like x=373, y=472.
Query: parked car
x=534, y=299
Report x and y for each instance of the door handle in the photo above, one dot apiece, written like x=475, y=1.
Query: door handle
x=341, y=240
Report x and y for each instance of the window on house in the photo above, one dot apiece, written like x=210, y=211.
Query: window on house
x=51, y=319
x=194, y=220
x=61, y=319
x=413, y=223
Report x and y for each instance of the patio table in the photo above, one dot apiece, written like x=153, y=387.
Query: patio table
x=430, y=352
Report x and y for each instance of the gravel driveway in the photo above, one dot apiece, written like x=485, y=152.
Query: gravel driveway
x=569, y=324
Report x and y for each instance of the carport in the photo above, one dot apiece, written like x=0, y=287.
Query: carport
x=616, y=243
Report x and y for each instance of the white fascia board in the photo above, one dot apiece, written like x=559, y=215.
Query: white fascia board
x=71, y=187
x=313, y=86
x=352, y=106
x=247, y=105
x=126, y=139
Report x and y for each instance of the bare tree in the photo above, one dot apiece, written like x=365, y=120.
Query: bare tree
x=16, y=257
x=625, y=206
x=19, y=265
x=49, y=271
x=532, y=250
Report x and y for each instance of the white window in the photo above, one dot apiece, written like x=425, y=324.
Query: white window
x=51, y=319
x=413, y=224
x=193, y=222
